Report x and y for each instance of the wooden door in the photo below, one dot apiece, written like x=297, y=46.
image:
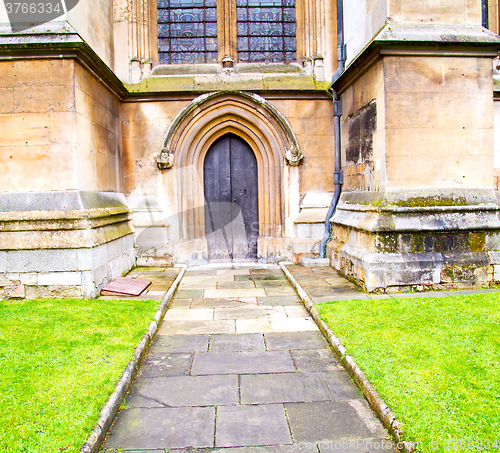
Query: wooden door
x=231, y=209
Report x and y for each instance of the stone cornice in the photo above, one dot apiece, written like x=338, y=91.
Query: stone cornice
x=421, y=40
x=57, y=40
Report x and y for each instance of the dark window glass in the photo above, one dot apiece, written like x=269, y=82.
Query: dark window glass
x=266, y=30
x=187, y=31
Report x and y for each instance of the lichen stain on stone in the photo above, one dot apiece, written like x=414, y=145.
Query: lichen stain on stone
x=419, y=202
x=361, y=127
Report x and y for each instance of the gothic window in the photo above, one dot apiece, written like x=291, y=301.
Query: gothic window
x=187, y=31
x=203, y=31
x=266, y=30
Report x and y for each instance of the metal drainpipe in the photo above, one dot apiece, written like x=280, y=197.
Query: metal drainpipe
x=338, y=175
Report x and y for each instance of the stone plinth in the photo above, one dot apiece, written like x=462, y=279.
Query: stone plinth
x=425, y=238
x=63, y=244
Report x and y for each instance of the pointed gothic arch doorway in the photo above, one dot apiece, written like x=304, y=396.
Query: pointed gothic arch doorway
x=231, y=197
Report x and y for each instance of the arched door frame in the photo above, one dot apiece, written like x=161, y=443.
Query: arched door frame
x=254, y=120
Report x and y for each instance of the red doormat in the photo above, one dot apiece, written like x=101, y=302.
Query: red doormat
x=124, y=286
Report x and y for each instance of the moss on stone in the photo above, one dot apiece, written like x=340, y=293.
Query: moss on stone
x=386, y=243
x=418, y=202
x=216, y=82
x=477, y=242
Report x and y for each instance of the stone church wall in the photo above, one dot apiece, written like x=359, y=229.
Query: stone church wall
x=65, y=230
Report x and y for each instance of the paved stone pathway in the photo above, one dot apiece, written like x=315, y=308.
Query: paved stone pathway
x=239, y=366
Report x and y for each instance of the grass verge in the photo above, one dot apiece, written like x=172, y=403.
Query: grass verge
x=435, y=361
x=60, y=360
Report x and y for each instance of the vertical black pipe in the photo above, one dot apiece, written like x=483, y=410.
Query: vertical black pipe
x=337, y=113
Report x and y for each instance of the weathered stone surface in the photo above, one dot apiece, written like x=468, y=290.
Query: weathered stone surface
x=283, y=388
x=242, y=362
x=248, y=312
x=3, y=261
x=278, y=300
x=330, y=421
x=183, y=391
x=179, y=343
x=315, y=360
x=60, y=278
x=42, y=260
x=165, y=364
x=263, y=425
x=222, y=302
x=157, y=428
x=295, y=340
x=236, y=285
x=197, y=327
x=189, y=314
x=237, y=342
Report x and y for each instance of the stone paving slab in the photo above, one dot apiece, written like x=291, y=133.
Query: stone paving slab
x=293, y=324
x=296, y=387
x=188, y=293
x=184, y=391
x=279, y=300
x=207, y=280
x=156, y=428
x=222, y=302
x=179, y=303
x=242, y=362
x=244, y=292
x=327, y=420
x=197, y=272
x=197, y=327
x=237, y=342
x=179, y=343
x=197, y=285
x=241, y=426
x=186, y=314
x=295, y=311
x=295, y=340
x=249, y=311
x=161, y=364
x=315, y=360
x=155, y=286
x=257, y=277
x=283, y=388
x=233, y=272
x=280, y=291
x=253, y=325
x=236, y=285
x=271, y=271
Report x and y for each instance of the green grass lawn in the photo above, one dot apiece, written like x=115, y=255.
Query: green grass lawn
x=435, y=361
x=59, y=362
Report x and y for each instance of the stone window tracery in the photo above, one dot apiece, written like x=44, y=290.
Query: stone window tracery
x=207, y=31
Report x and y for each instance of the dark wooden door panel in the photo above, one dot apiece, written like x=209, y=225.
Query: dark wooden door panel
x=231, y=193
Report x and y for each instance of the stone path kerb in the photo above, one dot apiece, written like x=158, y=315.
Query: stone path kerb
x=238, y=365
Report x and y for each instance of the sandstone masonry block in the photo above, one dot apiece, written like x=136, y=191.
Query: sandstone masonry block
x=41, y=260
x=30, y=278
x=60, y=278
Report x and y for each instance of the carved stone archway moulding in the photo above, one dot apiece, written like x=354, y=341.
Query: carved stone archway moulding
x=248, y=116
x=293, y=155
